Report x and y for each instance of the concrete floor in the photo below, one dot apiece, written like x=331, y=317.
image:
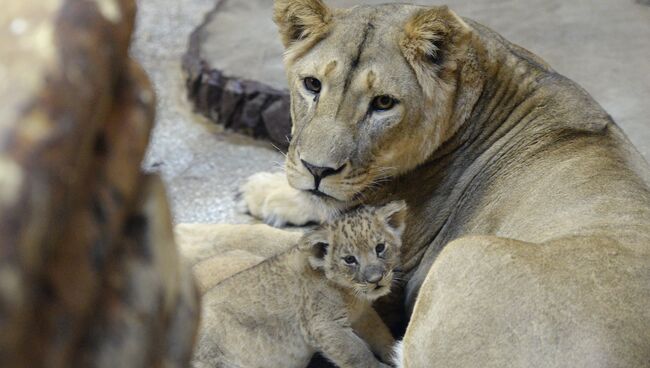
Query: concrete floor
x=602, y=44
x=201, y=165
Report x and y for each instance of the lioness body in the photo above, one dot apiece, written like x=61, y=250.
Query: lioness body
x=310, y=298
x=530, y=209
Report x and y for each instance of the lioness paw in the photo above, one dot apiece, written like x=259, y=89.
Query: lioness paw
x=270, y=198
x=255, y=190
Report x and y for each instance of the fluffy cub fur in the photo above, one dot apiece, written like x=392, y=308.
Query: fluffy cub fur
x=316, y=296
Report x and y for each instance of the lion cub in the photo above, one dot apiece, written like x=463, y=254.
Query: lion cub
x=316, y=296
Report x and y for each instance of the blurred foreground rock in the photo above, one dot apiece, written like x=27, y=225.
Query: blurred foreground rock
x=89, y=272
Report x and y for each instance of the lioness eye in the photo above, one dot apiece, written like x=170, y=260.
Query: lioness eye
x=382, y=103
x=350, y=260
x=380, y=248
x=312, y=84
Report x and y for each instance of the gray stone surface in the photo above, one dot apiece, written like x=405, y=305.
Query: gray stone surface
x=202, y=166
x=602, y=44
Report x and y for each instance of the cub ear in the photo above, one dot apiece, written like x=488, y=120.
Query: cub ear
x=300, y=19
x=394, y=213
x=316, y=243
x=432, y=39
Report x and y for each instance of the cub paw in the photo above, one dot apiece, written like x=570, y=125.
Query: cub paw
x=270, y=198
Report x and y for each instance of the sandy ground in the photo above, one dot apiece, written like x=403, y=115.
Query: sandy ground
x=602, y=44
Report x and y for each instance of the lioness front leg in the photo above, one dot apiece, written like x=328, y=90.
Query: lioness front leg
x=217, y=252
x=201, y=242
x=342, y=346
x=372, y=329
x=269, y=197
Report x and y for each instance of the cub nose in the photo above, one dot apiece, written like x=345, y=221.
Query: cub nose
x=375, y=278
x=373, y=274
x=320, y=172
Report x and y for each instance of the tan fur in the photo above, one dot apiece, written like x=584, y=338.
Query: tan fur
x=296, y=207
x=217, y=252
x=330, y=68
x=308, y=299
x=403, y=148
x=201, y=242
x=528, y=235
x=212, y=271
x=440, y=34
x=301, y=19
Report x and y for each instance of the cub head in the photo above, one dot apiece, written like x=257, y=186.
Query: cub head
x=372, y=91
x=359, y=250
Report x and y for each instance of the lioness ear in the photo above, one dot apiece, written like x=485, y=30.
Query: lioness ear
x=394, y=213
x=315, y=243
x=299, y=19
x=432, y=39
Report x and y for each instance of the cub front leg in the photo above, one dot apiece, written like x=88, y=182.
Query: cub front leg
x=372, y=330
x=269, y=197
x=341, y=345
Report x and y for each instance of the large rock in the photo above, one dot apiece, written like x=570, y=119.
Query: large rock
x=86, y=250
x=227, y=78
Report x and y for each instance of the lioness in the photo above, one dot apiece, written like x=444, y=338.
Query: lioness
x=309, y=298
x=529, y=208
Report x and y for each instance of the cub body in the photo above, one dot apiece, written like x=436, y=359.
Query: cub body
x=315, y=297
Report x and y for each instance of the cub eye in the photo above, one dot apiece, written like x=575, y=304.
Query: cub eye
x=380, y=248
x=321, y=249
x=383, y=103
x=312, y=84
x=350, y=260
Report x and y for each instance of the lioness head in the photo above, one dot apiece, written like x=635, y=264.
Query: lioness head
x=359, y=250
x=372, y=90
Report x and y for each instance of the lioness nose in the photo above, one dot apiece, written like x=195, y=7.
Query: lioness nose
x=321, y=172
